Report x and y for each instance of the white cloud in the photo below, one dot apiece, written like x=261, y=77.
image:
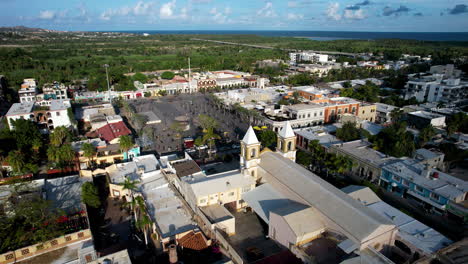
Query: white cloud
x=294, y=16
x=47, y=14
x=357, y=14
x=141, y=8
x=332, y=11
x=166, y=11
x=267, y=11
x=292, y=4
x=221, y=16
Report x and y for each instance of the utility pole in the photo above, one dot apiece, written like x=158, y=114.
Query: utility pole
x=189, y=73
x=108, y=85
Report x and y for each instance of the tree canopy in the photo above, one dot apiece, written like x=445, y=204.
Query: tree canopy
x=395, y=141
x=89, y=194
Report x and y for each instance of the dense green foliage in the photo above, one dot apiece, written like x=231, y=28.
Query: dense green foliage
x=394, y=140
x=349, y=132
x=89, y=194
x=60, y=151
x=31, y=220
x=368, y=92
x=457, y=123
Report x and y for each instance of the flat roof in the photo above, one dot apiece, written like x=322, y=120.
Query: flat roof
x=65, y=193
x=315, y=133
x=425, y=114
x=221, y=182
x=20, y=108
x=152, y=117
x=446, y=185
x=361, y=149
x=165, y=208
x=57, y=105
x=425, y=154
x=186, y=167
x=299, y=107
x=216, y=213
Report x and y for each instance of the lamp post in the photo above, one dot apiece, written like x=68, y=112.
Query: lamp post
x=108, y=85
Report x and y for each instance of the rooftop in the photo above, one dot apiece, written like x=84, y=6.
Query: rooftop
x=165, y=208
x=361, y=149
x=318, y=133
x=21, y=109
x=65, y=193
x=186, y=167
x=426, y=115
x=299, y=107
x=358, y=221
x=445, y=184
x=57, y=105
x=385, y=107
x=286, y=131
x=120, y=257
x=413, y=231
x=425, y=154
x=221, y=182
x=132, y=170
x=112, y=131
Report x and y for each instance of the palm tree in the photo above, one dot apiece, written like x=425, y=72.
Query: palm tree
x=36, y=144
x=59, y=136
x=125, y=143
x=89, y=151
x=16, y=160
x=143, y=225
x=130, y=186
x=61, y=155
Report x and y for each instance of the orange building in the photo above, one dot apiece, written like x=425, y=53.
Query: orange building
x=335, y=107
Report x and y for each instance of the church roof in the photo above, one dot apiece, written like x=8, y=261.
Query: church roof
x=352, y=216
x=287, y=131
x=250, y=137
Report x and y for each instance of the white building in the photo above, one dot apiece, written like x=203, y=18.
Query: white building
x=438, y=87
x=384, y=113
x=28, y=91
x=48, y=117
x=295, y=57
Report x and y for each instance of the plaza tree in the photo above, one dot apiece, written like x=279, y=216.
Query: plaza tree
x=207, y=122
x=90, y=195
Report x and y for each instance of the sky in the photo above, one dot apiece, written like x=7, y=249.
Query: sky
x=313, y=15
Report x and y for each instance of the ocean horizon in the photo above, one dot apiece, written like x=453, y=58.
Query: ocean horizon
x=316, y=35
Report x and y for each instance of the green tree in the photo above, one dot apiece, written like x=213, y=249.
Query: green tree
x=25, y=133
x=425, y=135
x=268, y=138
x=167, y=75
x=210, y=138
x=130, y=186
x=395, y=141
x=62, y=155
x=60, y=136
x=162, y=92
x=348, y=132
x=90, y=195
x=207, y=122
x=89, y=151
x=125, y=143
x=140, y=77
x=144, y=224
x=17, y=160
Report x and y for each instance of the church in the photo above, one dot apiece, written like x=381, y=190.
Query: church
x=300, y=207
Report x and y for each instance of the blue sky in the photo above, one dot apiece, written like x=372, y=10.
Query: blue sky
x=344, y=15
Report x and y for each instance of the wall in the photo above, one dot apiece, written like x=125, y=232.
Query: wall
x=37, y=249
x=367, y=112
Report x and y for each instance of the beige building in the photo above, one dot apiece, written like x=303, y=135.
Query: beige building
x=367, y=111
x=300, y=207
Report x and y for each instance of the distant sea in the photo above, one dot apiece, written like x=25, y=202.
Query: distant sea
x=323, y=35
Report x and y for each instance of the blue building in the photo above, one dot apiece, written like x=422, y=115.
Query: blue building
x=431, y=188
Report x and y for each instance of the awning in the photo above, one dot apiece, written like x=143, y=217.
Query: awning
x=348, y=246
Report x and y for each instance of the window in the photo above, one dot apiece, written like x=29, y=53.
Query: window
x=202, y=201
x=396, y=178
x=419, y=189
x=405, y=182
x=363, y=112
x=315, y=114
x=57, y=114
x=339, y=111
x=346, y=110
x=321, y=113
x=253, y=153
x=434, y=196
x=231, y=194
x=289, y=146
x=308, y=115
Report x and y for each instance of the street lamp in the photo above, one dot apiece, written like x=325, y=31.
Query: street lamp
x=108, y=85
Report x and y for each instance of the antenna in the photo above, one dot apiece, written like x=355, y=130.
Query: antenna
x=189, y=72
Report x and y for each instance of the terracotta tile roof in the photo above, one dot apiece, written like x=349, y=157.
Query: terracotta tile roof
x=192, y=240
x=113, y=130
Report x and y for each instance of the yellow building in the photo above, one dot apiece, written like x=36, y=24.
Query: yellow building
x=367, y=111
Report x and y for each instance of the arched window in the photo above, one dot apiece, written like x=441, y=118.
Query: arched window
x=289, y=146
x=253, y=153
x=252, y=173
